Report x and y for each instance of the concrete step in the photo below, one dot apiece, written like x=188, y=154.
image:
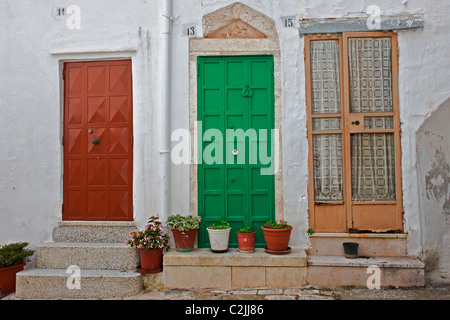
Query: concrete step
x=100, y=232
x=202, y=269
x=100, y=256
x=370, y=245
x=326, y=271
x=94, y=284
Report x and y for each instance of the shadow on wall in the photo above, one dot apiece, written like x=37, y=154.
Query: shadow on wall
x=433, y=166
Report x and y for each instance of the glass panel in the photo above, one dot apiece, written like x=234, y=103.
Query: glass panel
x=378, y=123
x=325, y=77
x=373, y=167
x=370, y=73
x=328, y=167
x=325, y=124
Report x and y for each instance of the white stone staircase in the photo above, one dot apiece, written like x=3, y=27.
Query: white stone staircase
x=106, y=264
x=327, y=265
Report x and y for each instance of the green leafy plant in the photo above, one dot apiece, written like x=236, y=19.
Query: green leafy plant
x=150, y=238
x=14, y=254
x=183, y=223
x=245, y=230
x=281, y=224
x=310, y=231
x=222, y=225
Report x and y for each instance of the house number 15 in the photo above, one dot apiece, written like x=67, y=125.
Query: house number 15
x=289, y=22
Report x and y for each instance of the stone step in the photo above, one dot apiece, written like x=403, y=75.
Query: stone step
x=202, y=269
x=101, y=256
x=99, y=232
x=326, y=271
x=370, y=245
x=94, y=284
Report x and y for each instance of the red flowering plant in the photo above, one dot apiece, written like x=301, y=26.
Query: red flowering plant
x=281, y=224
x=150, y=238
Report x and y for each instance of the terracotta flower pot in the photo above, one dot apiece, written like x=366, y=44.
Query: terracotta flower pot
x=151, y=259
x=184, y=240
x=8, y=278
x=246, y=242
x=277, y=239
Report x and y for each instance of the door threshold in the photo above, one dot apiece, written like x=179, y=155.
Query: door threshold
x=97, y=223
x=360, y=235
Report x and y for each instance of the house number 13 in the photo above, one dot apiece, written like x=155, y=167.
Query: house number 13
x=191, y=31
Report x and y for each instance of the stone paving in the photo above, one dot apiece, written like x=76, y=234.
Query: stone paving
x=304, y=293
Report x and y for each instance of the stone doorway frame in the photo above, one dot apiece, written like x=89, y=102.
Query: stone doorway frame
x=236, y=30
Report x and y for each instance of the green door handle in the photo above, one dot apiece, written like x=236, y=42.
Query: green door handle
x=247, y=92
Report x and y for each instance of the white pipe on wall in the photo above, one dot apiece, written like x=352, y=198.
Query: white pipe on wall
x=166, y=11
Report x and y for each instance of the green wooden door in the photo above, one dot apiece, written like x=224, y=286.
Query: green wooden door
x=236, y=118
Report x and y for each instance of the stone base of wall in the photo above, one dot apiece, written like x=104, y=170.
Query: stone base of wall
x=202, y=269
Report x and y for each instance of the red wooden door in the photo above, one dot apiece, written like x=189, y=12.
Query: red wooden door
x=98, y=141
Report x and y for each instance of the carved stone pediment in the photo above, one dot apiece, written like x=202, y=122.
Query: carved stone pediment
x=238, y=21
x=237, y=29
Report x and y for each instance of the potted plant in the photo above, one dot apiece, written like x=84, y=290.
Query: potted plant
x=246, y=240
x=13, y=258
x=277, y=235
x=151, y=244
x=184, y=231
x=219, y=236
x=351, y=250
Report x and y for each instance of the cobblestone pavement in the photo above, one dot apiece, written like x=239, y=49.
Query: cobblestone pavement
x=305, y=293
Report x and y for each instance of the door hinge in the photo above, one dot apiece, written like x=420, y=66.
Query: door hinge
x=64, y=75
x=62, y=208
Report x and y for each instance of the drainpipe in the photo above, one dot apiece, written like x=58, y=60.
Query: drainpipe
x=166, y=11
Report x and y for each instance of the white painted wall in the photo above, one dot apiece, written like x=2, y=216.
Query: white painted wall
x=433, y=166
x=33, y=46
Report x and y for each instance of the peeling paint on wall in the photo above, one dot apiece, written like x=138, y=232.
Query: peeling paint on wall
x=438, y=180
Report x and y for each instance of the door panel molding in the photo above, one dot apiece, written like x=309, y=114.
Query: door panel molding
x=98, y=131
x=234, y=189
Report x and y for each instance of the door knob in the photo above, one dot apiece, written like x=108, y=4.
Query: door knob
x=96, y=141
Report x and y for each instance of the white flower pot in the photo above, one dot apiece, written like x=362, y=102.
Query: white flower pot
x=219, y=239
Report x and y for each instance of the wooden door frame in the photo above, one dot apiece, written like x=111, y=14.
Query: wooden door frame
x=345, y=110
x=64, y=101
